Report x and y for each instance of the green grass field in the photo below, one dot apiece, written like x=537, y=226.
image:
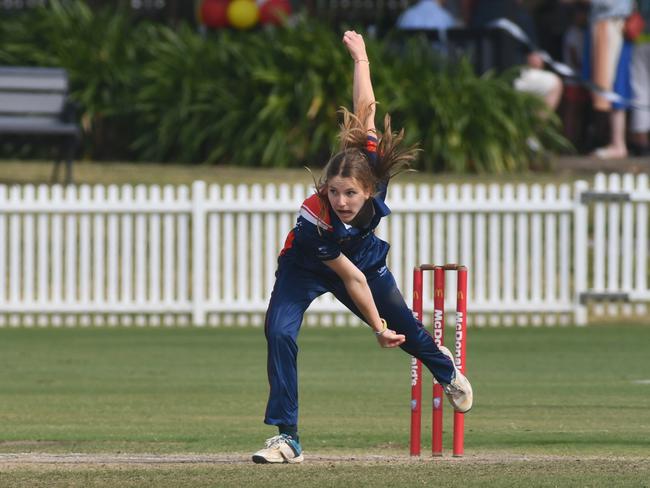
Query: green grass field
x=553, y=407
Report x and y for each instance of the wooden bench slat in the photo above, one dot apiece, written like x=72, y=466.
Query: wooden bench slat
x=37, y=79
x=33, y=71
x=36, y=125
x=31, y=103
x=27, y=83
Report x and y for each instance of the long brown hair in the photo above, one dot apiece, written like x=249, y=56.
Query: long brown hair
x=392, y=158
x=351, y=160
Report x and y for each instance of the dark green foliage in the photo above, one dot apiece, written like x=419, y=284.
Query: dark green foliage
x=255, y=99
x=268, y=97
x=100, y=55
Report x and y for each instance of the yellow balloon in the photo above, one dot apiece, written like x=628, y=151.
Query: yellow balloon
x=243, y=14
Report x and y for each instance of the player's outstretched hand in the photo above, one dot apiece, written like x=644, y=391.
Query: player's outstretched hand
x=390, y=338
x=356, y=46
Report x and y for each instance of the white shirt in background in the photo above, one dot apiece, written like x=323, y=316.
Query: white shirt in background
x=427, y=15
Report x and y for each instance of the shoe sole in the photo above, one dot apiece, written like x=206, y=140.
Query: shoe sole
x=263, y=460
x=464, y=411
x=296, y=460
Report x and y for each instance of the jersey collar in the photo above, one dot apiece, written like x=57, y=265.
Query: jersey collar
x=381, y=210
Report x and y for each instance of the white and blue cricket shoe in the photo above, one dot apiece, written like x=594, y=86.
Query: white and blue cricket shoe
x=459, y=391
x=279, y=449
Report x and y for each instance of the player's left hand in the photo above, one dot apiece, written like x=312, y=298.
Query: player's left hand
x=356, y=46
x=390, y=338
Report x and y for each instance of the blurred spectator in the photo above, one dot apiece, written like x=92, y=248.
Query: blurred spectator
x=552, y=19
x=576, y=97
x=459, y=10
x=607, y=63
x=534, y=78
x=538, y=81
x=573, y=42
x=640, y=120
x=430, y=15
x=426, y=15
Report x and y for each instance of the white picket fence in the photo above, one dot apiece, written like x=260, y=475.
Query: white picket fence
x=207, y=254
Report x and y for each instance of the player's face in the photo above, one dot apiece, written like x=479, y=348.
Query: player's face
x=346, y=197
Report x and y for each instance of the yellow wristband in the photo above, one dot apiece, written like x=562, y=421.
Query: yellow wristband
x=383, y=329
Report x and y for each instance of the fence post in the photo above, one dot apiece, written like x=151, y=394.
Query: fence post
x=198, y=252
x=580, y=252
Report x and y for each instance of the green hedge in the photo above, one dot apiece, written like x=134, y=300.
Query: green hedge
x=267, y=97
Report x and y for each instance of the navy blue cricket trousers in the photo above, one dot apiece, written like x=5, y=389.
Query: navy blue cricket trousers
x=295, y=288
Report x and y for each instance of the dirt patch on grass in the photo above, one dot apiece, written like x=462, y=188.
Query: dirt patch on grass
x=9, y=461
x=499, y=470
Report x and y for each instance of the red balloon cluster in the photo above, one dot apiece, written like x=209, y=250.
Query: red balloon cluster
x=242, y=14
x=274, y=11
x=214, y=13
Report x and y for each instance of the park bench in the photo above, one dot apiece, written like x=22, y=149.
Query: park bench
x=34, y=107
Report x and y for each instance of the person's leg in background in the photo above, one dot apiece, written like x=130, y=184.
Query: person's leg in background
x=575, y=101
x=640, y=119
x=554, y=95
x=548, y=86
x=607, y=39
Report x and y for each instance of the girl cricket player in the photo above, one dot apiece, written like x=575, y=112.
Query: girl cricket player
x=333, y=248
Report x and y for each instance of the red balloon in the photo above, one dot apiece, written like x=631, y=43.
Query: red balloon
x=274, y=11
x=214, y=13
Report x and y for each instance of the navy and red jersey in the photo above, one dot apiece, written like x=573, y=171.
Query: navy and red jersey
x=319, y=234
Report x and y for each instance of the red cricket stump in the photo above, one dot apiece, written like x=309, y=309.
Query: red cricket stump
x=416, y=372
x=459, y=357
x=439, y=338
x=460, y=354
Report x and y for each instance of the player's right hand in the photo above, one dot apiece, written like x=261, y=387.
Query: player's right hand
x=356, y=46
x=390, y=338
